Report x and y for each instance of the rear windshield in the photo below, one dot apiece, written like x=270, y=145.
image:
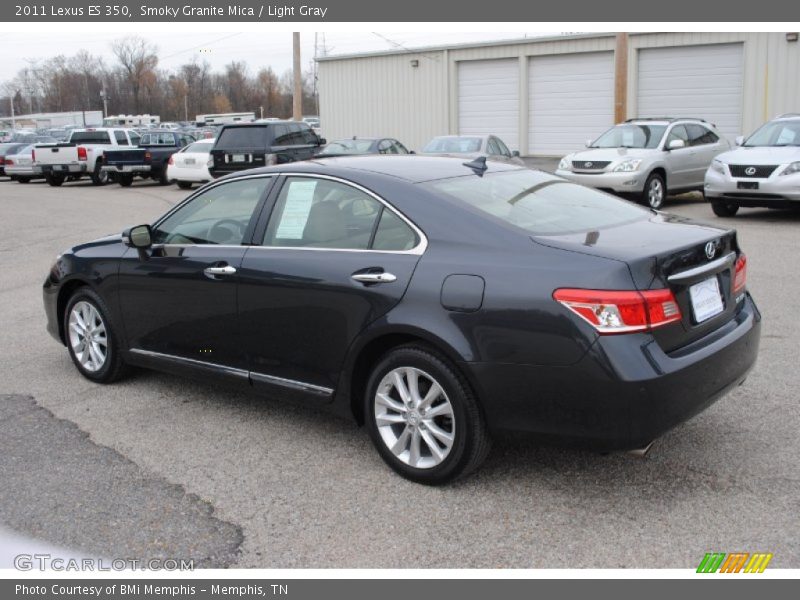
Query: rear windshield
x=538, y=203
x=453, y=144
x=200, y=147
x=242, y=137
x=347, y=147
x=90, y=137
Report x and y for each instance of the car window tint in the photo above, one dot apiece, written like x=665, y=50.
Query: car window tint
x=400, y=148
x=306, y=136
x=120, y=137
x=90, y=137
x=393, y=233
x=678, y=133
x=386, y=147
x=538, y=203
x=218, y=216
x=503, y=148
x=319, y=213
x=492, y=147
x=283, y=136
x=199, y=147
x=135, y=138
x=242, y=137
x=699, y=135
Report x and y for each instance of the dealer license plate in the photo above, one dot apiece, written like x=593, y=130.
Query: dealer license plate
x=706, y=299
x=239, y=157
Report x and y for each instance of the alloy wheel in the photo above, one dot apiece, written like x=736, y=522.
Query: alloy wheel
x=655, y=193
x=87, y=336
x=414, y=417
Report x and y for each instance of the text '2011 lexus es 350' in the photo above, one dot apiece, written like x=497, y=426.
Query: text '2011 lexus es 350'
x=439, y=302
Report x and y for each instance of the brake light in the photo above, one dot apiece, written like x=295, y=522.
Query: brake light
x=610, y=311
x=740, y=274
x=82, y=153
x=9, y=161
x=171, y=161
x=147, y=155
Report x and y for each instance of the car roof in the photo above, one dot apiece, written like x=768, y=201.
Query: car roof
x=262, y=124
x=413, y=168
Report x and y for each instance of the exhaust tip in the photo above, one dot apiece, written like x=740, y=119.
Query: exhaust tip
x=641, y=452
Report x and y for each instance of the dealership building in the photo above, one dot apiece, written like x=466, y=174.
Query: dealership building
x=545, y=96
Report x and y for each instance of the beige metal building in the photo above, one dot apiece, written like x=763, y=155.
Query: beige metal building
x=548, y=95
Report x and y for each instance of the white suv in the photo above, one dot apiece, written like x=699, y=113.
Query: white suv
x=646, y=157
x=764, y=171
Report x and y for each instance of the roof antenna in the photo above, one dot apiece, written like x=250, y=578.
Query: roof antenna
x=478, y=165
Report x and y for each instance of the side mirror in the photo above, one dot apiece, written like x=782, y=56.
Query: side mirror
x=138, y=237
x=515, y=153
x=675, y=144
x=588, y=143
x=739, y=140
x=322, y=141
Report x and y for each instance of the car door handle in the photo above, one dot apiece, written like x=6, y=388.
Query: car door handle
x=382, y=277
x=226, y=270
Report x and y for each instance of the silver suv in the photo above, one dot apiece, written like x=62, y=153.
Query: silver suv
x=646, y=157
x=764, y=171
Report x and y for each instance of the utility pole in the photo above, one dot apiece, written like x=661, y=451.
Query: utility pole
x=621, y=78
x=186, y=106
x=297, y=103
x=104, y=96
x=13, y=118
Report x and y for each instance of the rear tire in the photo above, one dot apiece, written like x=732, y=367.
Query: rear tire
x=54, y=180
x=185, y=185
x=91, y=338
x=722, y=208
x=99, y=177
x=162, y=178
x=655, y=191
x=430, y=437
x=125, y=180
x=24, y=179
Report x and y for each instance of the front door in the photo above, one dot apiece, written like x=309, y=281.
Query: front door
x=331, y=259
x=178, y=299
x=680, y=161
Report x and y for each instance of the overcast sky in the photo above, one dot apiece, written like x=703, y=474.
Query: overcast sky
x=219, y=48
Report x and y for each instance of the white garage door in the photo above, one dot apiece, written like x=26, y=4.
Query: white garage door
x=488, y=99
x=693, y=81
x=570, y=99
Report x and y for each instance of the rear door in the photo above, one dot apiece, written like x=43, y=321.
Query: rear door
x=706, y=145
x=332, y=258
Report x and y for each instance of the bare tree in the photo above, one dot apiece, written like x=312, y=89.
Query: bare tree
x=138, y=59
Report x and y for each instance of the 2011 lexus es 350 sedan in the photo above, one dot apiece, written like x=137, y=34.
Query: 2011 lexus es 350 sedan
x=439, y=302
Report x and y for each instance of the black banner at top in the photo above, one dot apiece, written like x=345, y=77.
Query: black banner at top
x=321, y=11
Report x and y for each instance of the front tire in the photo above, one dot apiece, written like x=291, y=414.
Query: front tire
x=125, y=180
x=185, y=185
x=423, y=417
x=655, y=191
x=23, y=179
x=722, y=208
x=91, y=339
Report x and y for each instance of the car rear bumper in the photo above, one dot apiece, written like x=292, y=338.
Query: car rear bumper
x=625, y=392
x=197, y=175
x=126, y=168
x=68, y=168
x=776, y=189
x=23, y=171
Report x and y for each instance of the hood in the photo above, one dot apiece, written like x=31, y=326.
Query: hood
x=761, y=155
x=612, y=155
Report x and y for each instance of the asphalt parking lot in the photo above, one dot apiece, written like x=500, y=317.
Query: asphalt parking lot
x=159, y=466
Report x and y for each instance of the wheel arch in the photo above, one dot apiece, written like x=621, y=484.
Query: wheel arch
x=365, y=354
x=65, y=292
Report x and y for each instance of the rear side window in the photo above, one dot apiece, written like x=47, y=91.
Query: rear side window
x=307, y=136
x=699, y=135
x=283, y=137
x=538, y=203
x=90, y=137
x=243, y=137
x=393, y=233
x=319, y=213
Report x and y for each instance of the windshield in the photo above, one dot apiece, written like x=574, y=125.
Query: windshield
x=538, y=203
x=347, y=147
x=630, y=136
x=777, y=133
x=90, y=137
x=453, y=145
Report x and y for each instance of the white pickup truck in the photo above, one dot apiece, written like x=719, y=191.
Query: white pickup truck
x=82, y=154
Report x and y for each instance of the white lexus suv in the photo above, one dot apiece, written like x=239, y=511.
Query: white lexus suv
x=764, y=171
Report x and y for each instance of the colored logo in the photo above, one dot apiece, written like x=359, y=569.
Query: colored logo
x=736, y=562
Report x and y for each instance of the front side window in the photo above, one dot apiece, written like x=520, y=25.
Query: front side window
x=678, y=133
x=538, y=203
x=493, y=148
x=502, y=147
x=218, y=216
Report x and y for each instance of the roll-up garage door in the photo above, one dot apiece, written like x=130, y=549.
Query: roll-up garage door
x=570, y=99
x=488, y=99
x=693, y=81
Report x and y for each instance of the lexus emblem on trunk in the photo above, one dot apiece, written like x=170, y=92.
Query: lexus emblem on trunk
x=711, y=250
x=750, y=171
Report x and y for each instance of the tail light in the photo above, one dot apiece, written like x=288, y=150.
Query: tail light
x=740, y=274
x=82, y=153
x=171, y=161
x=610, y=311
x=33, y=155
x=8, y=161
x=148, y=156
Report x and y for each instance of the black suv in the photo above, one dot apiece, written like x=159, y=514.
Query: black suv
x=250, y=145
